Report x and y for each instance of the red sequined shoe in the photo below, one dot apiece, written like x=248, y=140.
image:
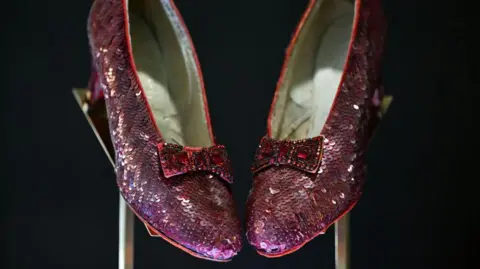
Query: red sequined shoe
x=309, y=169
x=169, y=169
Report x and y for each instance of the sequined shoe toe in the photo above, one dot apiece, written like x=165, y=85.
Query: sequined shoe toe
x=309, y=168
x=169, y=169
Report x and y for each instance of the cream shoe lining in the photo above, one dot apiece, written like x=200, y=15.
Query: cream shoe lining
x=168, y=73
x=314, y=71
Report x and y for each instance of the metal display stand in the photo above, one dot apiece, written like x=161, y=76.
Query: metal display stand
x=96, y=117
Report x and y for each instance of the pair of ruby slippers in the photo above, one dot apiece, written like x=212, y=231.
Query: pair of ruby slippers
x=308, y=170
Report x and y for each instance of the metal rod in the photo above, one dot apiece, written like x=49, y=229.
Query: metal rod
x=342, y=243
x=125, y=236
x=126, y=218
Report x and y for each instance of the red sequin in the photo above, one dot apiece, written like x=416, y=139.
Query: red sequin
x=283, y=150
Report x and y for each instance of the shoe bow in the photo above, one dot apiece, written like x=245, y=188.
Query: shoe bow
x=177, y=160
x=305, y=154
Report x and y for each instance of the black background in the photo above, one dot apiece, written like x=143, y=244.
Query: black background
x=421, y=199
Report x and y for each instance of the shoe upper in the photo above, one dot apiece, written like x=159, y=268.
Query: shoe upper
x=289, y=203
x=191, y=207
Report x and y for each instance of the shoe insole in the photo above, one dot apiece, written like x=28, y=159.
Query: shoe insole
x=152, y=74
x=331, y=57
x=310, y=100
x=167, y=69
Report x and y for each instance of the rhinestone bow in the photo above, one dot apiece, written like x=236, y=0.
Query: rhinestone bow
x=177, y=160
x=305, y=154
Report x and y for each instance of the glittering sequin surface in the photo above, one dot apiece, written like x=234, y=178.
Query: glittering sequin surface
x=287, y=206
x=194, y=210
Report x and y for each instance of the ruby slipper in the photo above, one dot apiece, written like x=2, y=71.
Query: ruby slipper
x=310, y=168
x=169, y=169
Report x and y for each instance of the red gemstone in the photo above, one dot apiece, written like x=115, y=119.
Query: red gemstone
x=283, y=150
x=266, y=150
x=216, y=158
x=181, y=157
x=199, y=159
x=302, y=155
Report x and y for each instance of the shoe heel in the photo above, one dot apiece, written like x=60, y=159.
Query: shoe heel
x=94, y=88
x=92, y=102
